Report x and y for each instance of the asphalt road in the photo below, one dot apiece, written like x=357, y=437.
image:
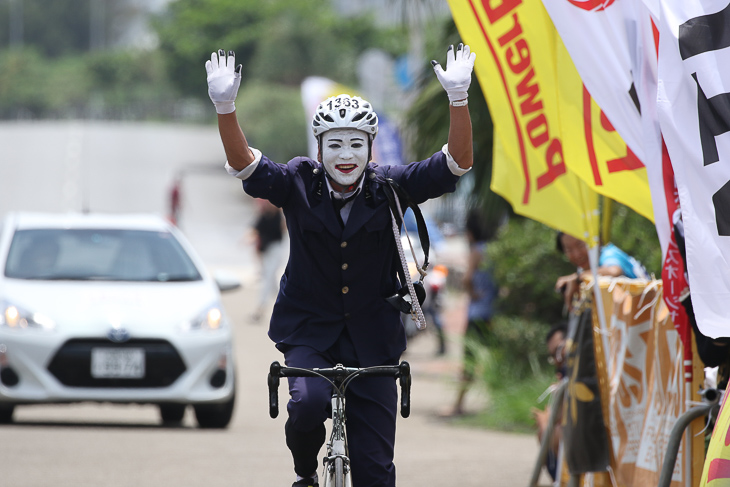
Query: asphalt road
x=127, y=167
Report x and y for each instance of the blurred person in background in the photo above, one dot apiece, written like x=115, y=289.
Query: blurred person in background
x=343, y=259
x=482, y=291
x=555, y=341
x=175, y=200
x=435, y=280
x=612, y=262
x=269, y=235
x=435, y=283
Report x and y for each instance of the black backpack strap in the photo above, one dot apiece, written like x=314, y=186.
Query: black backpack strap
x=407, y=202
x=390, y=195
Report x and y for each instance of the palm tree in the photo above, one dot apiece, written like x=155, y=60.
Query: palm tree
x=427, y=122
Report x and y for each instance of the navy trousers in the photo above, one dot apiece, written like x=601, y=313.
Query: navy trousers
x=371, y=407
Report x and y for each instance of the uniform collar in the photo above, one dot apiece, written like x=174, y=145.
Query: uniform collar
x=369, y=184
x=354, y=189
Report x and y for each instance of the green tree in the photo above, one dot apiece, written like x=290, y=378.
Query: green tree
x=428, y=119
x=526, y=265
x=52, y=28
x=277, y=41
x=113, y=84
x=62, y=27
x=275, y=122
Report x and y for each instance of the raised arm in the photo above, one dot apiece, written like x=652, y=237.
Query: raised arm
x=460, y=136
x=456, y=80
x=223, y=83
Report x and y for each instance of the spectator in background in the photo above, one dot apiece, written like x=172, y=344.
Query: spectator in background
x=482, y=292
x=435, y=281
x=175, y=201
x=269, y=234
x=555, y=341
x=612, y=262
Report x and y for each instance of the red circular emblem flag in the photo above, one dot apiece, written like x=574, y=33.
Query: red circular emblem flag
x=592, y=5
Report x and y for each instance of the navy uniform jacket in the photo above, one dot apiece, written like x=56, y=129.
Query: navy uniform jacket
x=337, y=277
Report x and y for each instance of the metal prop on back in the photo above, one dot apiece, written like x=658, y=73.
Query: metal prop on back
x=410, y=296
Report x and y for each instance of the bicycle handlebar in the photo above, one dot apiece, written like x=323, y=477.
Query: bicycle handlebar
x=402, y=372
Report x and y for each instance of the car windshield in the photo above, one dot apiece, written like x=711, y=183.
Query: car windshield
x=98, y=254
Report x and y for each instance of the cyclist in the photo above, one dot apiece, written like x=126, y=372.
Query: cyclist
x=343, y=260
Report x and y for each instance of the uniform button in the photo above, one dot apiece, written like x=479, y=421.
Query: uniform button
x=372, y=175
x=343, y=244
x=345, y=290
x=347, y=316
x=345, y=266
x=315, y=171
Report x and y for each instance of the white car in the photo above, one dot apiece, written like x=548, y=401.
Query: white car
x=111, y=308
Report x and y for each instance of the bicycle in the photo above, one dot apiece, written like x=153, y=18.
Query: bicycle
x=336, y=470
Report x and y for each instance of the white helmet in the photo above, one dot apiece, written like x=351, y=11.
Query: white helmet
x=345, y=112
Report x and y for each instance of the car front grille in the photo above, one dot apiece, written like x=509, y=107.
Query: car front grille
x=72, y=364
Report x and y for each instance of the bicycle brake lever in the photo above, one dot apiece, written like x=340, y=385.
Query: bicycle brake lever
x=273, y=381
x=405, y=388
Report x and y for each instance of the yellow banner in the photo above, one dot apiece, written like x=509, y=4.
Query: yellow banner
x=716, y=471
x=596, y=153
x=551, y=155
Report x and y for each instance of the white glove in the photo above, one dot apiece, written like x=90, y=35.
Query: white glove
x=223, y=80
x=457, y=77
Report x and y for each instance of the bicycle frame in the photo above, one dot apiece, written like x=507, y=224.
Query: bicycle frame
x=337, y=461
x=336, y=471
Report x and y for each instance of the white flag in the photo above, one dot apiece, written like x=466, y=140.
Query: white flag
x=694, y=111
x=602, y=47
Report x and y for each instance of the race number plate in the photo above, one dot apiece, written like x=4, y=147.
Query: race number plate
x=117, y=363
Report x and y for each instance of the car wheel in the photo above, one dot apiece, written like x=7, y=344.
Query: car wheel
x=214, y=415
x=172, y=414
x=6, y=413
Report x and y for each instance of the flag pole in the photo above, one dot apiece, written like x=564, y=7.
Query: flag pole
x=593, y=240
x=593, y=255
x=594, y=258
x=606, y=218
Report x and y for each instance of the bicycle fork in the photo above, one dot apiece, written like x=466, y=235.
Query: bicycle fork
x=337, y=462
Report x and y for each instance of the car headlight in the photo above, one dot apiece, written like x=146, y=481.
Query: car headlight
x=210, y=319
x=17, y=318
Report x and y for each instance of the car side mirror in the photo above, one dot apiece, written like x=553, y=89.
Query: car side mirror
x=226, y=281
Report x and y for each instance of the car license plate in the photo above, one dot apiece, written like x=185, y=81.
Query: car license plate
x=117, y=363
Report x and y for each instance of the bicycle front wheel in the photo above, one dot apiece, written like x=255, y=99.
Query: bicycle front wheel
x=334, y=473
x=339, y=472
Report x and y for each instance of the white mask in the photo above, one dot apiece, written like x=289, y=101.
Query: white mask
x=345, y=155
